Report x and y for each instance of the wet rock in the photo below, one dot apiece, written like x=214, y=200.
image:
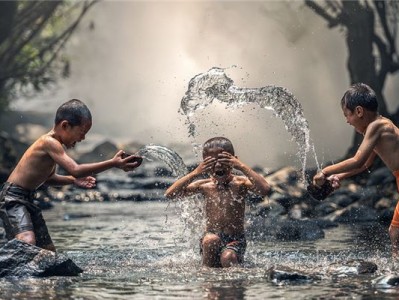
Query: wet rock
x=2, y=231
x=280, y=274
x=298, y=230
x=353, y=214
x=21, y=259
x=344, y=199
x=270, y=208
x=325, y=208
x=386, y=281
x=380, y=176
x=103, y=151
x=284, y=230
x=286, y=182
x=352, y=267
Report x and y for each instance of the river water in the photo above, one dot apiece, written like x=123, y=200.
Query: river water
x=141, y=250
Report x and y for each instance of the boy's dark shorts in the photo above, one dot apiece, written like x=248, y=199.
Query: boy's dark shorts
x=20, y=214
x=229, y=242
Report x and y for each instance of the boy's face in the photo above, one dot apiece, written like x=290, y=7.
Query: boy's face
x=220, y=171
x=353, y=118
x=75, y=134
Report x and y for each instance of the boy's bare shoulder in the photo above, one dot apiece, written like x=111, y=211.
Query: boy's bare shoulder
x=46, y=143
x=381, y=124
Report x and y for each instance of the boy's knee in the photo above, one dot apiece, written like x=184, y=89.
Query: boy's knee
x=228, y=258
x=210, y=240
x=27, y=237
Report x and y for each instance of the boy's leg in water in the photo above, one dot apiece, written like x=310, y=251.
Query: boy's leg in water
x=228, y=258
x=211, y=244
x=27, y=237
x=394, y=235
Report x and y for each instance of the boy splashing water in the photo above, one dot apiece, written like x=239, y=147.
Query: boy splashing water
x=223, y=243
x=381, y=137
x=23, y=219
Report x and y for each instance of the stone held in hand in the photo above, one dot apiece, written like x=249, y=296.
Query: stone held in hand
x=320, y=193
x=21, y=259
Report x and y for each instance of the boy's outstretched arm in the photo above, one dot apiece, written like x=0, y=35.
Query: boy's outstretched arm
x=361, y=161
x=187, y=186
x=57, y=152
x=256, y=182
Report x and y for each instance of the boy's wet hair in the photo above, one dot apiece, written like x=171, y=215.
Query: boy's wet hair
x=218, y=142
x=360, y=94
x=74, y=111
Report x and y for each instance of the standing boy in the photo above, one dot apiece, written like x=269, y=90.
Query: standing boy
x=381, y=137
x=223, y=243
x=23, y=219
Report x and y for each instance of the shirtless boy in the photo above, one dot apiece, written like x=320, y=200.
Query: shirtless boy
x=381, y=137
x=23, y=219
x=224, y=243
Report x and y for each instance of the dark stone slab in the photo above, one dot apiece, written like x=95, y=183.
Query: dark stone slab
x=20, y=259
x=280, y=274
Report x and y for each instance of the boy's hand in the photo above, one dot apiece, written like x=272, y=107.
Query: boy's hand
x=319, y=179
x=225, y=158
x=127, y=163
x=206, y=166
x=335, y=181
x=85, y=182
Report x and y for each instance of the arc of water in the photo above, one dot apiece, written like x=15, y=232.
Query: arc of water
x=204, y=88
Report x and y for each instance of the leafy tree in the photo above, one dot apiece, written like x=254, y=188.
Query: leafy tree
x=371, y=32
x=32, y=37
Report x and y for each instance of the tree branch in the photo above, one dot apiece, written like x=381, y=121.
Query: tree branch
x=331, y=20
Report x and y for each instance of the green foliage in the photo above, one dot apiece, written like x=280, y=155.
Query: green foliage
x=32, y=38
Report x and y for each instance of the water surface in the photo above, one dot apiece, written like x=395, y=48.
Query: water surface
x=140, y=250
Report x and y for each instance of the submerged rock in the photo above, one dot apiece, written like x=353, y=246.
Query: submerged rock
x=20, y=259
x=352, y=267
x=280, y=274
x=386, y=281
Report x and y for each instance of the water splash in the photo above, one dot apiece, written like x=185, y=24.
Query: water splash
x=168, y=156
x=204, y=88
x=190, y=209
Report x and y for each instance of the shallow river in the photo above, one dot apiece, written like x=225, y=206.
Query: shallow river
x=131, y=250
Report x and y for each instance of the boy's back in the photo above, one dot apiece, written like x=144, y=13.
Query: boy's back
x=36, y=165
x=386, y=135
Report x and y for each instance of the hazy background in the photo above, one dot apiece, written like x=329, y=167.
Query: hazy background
x=132, y=61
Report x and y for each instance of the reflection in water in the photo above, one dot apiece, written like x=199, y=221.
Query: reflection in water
x=226, y=290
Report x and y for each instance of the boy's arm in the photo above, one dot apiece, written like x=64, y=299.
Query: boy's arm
x=187, y=186
x=58, y=154
x=367, y=165
x=59, y=180
x=256, y=182
x=361, y=161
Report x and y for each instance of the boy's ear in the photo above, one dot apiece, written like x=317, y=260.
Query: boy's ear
x=64, y=124
x=359, y=111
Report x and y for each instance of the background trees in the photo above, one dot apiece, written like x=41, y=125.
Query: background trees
x=370, y=29
x=32, y=37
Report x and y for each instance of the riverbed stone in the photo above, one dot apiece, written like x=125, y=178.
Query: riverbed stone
x=21, y=259
x=352, y=267
x=354, y=213
x=282, y=274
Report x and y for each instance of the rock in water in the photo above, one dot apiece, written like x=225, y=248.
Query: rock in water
x=20, y=259
x=320, y=193
x=280, y=274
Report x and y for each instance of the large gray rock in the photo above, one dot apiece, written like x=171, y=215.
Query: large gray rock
x=20, y=259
